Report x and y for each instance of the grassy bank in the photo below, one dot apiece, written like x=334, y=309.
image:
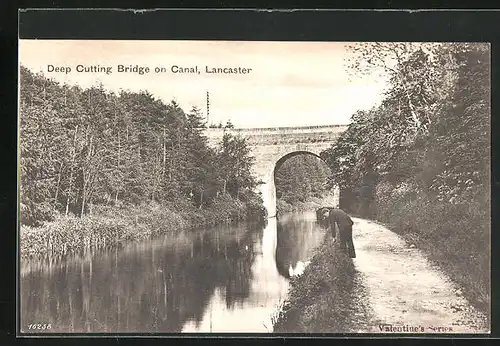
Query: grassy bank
x=312, y=203
x=108, y=227
x=325, y=298
x=455, y=236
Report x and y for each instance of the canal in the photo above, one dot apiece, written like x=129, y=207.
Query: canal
x=221, y=279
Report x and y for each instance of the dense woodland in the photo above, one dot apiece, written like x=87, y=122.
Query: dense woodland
x=420, y=161
x=82, y=149
x=300, y=179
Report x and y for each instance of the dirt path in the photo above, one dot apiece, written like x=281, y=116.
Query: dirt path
x=405, y=290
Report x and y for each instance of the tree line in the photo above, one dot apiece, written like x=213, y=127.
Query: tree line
x=420, y=160
x=430, y=133
x=229, y=125
x=85, y=147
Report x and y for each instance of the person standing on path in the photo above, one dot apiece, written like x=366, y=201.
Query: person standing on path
x=344, y=223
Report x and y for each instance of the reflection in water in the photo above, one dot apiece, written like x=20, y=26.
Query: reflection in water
x=268, y=191
x=221, y=279
x=297, y=236
x=268, y=288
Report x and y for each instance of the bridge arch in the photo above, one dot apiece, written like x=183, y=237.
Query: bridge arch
x=268, y=188
x=272, y=146
x=285, y=157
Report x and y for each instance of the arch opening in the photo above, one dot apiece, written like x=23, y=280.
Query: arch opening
x=282, y=160
x=269, y=187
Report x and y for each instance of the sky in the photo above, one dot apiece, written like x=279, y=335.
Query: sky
x=290, y=84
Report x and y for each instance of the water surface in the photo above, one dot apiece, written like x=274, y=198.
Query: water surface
x=222, y=279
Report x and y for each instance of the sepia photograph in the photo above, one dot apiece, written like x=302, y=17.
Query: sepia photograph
x=189, y=186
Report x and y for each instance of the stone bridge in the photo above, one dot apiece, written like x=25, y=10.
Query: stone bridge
x=272, y=146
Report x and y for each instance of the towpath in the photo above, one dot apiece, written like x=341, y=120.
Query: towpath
x=405, y=292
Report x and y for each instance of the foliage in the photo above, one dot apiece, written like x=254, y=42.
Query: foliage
x=300, y=179
x=420, y=160
x=83, y=149
x=234, y=167
x=111, y=227
x=322, y=298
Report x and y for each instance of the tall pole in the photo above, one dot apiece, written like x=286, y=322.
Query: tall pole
x=208, y=108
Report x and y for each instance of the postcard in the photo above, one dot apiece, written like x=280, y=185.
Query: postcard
x=216, y=186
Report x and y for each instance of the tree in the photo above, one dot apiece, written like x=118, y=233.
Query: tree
x=85, y=147
x=461, y=144
x=301, y=177
x=414, y=72
x=41, y=148
x=235, y=166
x=201, y=179
x=430, y=131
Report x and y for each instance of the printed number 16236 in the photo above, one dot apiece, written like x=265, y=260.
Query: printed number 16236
x=39, y=326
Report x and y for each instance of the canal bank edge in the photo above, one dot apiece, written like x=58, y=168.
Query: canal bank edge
x=110, y=227
x=326, y=298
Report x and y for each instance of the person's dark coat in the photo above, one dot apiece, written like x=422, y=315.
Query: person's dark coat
x=344, y=223
x=340, y=217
